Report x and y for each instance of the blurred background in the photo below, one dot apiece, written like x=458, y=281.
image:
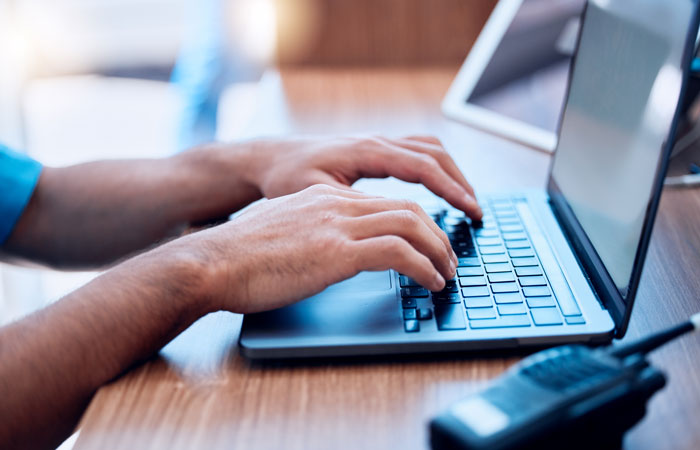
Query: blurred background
x=89, y=79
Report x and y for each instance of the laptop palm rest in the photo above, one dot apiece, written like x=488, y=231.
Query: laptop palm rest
x=362, y=306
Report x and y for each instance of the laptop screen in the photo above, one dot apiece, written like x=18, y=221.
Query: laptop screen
x=624, y=90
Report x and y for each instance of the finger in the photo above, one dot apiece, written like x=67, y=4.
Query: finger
x=338, y=189
x=428, y=139
x=393, y=252
x=373, y=206
x=388, y=159
x=435, y=149
x=411, y=228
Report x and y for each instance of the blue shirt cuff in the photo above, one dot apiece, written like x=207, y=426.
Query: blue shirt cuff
x=18, y=177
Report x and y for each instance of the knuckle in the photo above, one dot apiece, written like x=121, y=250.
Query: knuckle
x=434, y=140
x=428, y=162
x=407, y=218
x=441, y=154
x=326, y=217
x=335, y=244
x=410, y=205
x=330, y=203
x=319, y=189
x=429, y=138
x=371, y=141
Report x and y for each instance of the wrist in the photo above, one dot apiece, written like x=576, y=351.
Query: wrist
x=215, y=180
x=186, y=276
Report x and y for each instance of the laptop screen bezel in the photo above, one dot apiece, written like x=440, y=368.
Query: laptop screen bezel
x=617, y=301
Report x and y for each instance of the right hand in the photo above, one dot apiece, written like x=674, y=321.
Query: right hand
x=289, y=248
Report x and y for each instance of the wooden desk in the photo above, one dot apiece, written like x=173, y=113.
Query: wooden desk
x=199, y=392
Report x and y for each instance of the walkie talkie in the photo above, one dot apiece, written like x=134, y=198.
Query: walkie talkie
x=565, y=397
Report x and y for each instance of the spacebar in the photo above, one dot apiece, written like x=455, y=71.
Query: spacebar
x=501, y=322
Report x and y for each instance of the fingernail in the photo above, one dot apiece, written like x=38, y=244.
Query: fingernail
x=439, y=282
x=453, y=267
x=471, y=200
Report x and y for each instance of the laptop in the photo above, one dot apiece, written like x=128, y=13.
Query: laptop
x=542, y=268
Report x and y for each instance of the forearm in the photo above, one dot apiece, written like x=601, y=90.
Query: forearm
x=53, y=361
x=93, y=214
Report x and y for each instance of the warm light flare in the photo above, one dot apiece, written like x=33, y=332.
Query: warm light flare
x=252, y=27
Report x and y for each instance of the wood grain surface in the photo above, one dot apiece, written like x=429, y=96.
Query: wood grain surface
x=383, y=32
x=200, y=393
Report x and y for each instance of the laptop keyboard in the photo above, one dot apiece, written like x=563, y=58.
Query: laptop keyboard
x=499, y=284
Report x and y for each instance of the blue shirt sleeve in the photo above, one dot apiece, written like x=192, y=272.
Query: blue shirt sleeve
x=18, y=177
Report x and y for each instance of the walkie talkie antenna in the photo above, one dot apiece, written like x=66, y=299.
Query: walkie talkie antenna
x=648, y=344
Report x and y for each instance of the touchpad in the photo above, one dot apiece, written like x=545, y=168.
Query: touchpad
x=364, y=282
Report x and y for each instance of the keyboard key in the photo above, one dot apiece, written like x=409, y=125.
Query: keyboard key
x=536, y=291
x=505, y=213
x=498, y=288
x=511, y=228
x=517, y=244
x=454, y=213
x=502, y=205
x=405, y=281
x=450, y=288
x=508, y=221
x=523, y=262
x=528, y=271
x=450, y=317
x=497, y=267
x=458, y=245
x=521, y=252
x=481, y=313
x=493, y=249
x=533, y=281
x=425, y=314
x=486, y=241
x=454, y=220
x=443, y=298
x=512, y=297
x=472, y=281
x=541, y=302
x=510, y=309
x=465, y=252
x=514, y=236
x=478, y=302
x=414, y=292
x=411, y=326
x=460, y=236
x=495, y=259
x=567, y=303
x=575, y=320
x=409, y=314
x=507, y=218
x=546, y=316
x=455, y=229
x=500, y=201
x=482, y=232
x=408, y=302
x=477, y=291
x=502, y=322
x=469, y=262
x=469, y=271
x=501, y=277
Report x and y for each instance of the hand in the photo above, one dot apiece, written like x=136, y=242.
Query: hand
x=281, y=167
x=283, y=250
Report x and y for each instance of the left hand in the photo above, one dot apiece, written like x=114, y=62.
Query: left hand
x=282, y=167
